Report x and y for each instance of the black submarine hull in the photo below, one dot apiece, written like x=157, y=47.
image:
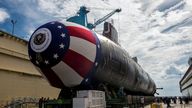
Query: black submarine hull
x=72, y=56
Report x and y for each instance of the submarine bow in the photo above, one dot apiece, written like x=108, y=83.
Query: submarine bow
x=70, y=55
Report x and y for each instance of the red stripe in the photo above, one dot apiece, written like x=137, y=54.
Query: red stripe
x=81, y=33
x=78, y=62
x=54, y=80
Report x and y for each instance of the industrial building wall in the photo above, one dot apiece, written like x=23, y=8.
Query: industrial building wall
x=186, y=83
x=14, y=85
x=16, y=64
x=186, y=88
x=187, y=92
x=18, y=76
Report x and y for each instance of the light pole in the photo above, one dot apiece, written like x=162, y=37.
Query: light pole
x=13, y=27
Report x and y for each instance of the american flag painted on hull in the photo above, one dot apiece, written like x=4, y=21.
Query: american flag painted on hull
x=65, y=52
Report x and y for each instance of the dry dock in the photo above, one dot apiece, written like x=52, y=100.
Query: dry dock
x=172, y=105
x=18, y=76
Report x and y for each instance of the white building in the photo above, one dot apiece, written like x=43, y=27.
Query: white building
x=186, y=81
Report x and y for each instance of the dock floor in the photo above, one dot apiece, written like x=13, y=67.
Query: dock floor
x=173, y=105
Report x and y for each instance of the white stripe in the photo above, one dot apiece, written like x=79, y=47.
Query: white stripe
x=83, y=47
x=66, y=23
x=68, y=76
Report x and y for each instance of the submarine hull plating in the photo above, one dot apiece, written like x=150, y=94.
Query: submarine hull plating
x=70, y=55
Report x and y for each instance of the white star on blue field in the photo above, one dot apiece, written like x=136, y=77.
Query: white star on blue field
x=158, y=32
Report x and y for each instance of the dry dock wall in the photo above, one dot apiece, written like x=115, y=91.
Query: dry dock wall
x=18, y=76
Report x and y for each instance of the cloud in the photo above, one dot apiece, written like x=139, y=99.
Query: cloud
x=3, y=15
x=167, y=4
x=160, y=52
x=172, y=70
x=158, y=32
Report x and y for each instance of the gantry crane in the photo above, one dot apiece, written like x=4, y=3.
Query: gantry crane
x=81, y=17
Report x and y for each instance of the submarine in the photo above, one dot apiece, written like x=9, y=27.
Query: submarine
x=72, y=56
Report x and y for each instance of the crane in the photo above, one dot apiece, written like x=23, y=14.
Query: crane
x=81, y=17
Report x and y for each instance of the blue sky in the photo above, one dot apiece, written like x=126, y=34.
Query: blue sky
x=13, y=13
x=26, y=13
x=158, y=32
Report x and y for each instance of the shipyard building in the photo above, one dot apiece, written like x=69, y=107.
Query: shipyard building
x=18, y=77
x=186, y=81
